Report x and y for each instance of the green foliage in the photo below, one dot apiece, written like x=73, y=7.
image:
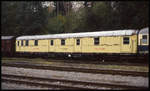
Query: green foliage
x=122, y=15
x=71, y=24
x=132, y=14
x=30, y=18
x=23, y=18
x=56, y=24
x=96, y=18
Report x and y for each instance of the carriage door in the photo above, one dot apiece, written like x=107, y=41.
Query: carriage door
x=51, y=46
x=78, y=45
x=126, y=45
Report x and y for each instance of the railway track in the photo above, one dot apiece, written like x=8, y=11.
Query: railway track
x=135, y=60
x=61, y=83
x=106, y=62
x=69, y=69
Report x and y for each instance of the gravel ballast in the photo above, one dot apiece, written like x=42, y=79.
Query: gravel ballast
x=100, y=78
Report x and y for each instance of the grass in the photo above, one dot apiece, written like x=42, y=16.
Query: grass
x=60, y=63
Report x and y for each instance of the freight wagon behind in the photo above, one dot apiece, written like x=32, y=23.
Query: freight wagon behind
x=8, y=45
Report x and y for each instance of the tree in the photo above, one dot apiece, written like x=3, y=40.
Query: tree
x=23, y=18
x=62, y=7
x=30, y=18
x=8, y=18
x=132, y=14
x=56, y=24
x=97, y=17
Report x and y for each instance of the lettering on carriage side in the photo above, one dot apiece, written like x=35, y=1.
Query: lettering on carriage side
x=35, y=48
x=116, y=44
x=64, y=48
x=99, y=48
x=109, y=45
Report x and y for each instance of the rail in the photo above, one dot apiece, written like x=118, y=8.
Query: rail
x=83, y=70
x=61, y=83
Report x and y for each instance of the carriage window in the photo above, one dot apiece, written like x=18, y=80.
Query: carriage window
x=96, y=41
x=78, y=41
x=18, y=43
x=144, y=39
x=36, y=42
x=126, y=40
x=21, y=42
x=51, y=42
x=27, y=42
x=62, y=41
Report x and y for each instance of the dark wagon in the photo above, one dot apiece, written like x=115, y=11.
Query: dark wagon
x=8, y=45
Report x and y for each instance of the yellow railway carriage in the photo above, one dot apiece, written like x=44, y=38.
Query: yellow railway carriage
x=103, y=42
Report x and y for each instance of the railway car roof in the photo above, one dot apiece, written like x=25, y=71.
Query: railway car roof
x=82, y=34
x=144, y=31
x=6, y=37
